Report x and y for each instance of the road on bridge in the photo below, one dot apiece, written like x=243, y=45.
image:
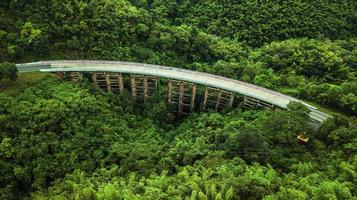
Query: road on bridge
x=220, y=82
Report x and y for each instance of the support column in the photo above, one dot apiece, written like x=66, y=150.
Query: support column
x=219, y=95
x=146, y=95
x=183, y=95
x=169, y=97
x=143, y=87
x=217, y=99
x=107, y=80
x=100, y=80
x=75, y=77
x=252, y=103
x=205, y=100
x=193, y=97
x=121, y=83
x=265, y=105
x=133, y=88
x=94, y=78
x=114, y=82
x=60, y=75
x=231, y=101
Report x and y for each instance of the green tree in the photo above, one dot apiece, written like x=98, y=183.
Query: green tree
x=8, y=71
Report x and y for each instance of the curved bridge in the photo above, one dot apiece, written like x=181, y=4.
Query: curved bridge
x=181, y=84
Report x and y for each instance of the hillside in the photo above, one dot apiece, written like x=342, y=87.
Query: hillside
x=60, y=140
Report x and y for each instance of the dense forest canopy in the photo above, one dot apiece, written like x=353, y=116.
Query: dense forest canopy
x=8, y=71
x=70, y=141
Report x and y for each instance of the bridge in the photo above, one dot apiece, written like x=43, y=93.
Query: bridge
x=182, y=84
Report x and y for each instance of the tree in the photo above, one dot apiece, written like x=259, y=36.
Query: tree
x=8, y=71
x=69, y=141
x=249, y=144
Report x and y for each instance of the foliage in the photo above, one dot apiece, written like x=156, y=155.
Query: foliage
x=61, y=140
x=70, y=141
x=8, y=71
x=321, y=71
x=256, y=22
x=211, y=36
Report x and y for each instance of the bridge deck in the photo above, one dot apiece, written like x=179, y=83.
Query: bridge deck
x=220, y=82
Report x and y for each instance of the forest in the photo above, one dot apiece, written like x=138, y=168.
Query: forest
x=60, y=140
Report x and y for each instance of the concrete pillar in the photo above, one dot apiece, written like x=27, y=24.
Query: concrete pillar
x=265, y=105
x=60, y=75
x=181, y=97
x=182, y=94
x=251, y=103
x=94, y=78
x=101, y=80
x=107, y=80
x=219, y=95
x=121, y=83
x=143, y=87
x=169, y=96
x=193, y=97
x=133, y=88
x=231, y=101
x=114, y=82
x=75, y=77
x=217, y=99
x=205, y=100
x=145, y=80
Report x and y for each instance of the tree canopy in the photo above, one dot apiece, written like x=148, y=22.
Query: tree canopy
x=60, y=140
x=8, y=71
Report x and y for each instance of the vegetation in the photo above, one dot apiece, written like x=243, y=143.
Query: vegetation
x=23, y=81
x=70, y=141
x=8, y=71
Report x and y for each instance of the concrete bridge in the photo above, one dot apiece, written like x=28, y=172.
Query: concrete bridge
x=182, y=84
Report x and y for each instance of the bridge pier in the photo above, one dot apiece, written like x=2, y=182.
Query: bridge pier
x=60, y=75
x=252, y=103
x=142, y=87
x=75, y=77
x=217, y=99
x=182, y=94
x=108, y=82
x=281, y=101
x=99, y=80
